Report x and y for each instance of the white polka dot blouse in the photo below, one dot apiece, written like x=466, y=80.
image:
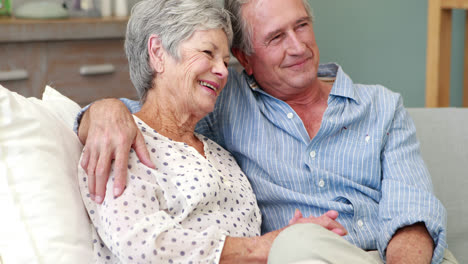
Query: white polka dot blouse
x=180, y=212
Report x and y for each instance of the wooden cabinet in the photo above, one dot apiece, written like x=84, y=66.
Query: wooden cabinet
x=82, y=58
x=89, y=70
x=22, y=67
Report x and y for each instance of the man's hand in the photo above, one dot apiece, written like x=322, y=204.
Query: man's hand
x=411, y=244
x=256, y=249
x=108, y=131
x=327, y=220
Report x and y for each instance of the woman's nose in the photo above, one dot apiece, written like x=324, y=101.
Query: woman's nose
x=220, y=69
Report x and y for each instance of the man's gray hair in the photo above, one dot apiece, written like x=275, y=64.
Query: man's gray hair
x=242, y=30
x=173, y=21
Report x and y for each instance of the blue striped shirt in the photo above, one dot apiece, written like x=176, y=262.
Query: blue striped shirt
x=364, y=161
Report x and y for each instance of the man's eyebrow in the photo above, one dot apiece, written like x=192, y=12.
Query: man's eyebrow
x=304, y=19
x=271, y=34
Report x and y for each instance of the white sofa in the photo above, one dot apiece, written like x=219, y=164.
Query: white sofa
x=443, y=134
x=43, y=219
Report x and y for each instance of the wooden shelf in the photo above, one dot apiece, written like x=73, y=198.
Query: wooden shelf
x=439, y=43
x=53, y=52
x=454, y=4
x=21, y=30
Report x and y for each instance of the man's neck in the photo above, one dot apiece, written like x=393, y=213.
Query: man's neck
x=311, y=97
x=311, y=105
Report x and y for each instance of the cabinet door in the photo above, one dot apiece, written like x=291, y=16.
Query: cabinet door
x=22, y=67
x=87, y=70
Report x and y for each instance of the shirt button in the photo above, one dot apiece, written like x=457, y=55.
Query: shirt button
x=367, y=138
x=313, y=154
x=290, y=115
x=321, y=183
x=360, y=223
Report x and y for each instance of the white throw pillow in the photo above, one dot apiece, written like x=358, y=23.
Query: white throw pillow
x=43, y=218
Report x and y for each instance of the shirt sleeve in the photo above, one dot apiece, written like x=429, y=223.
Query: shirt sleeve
x=407, y=194
x=133, y=106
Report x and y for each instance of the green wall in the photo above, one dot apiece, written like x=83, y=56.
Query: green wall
x=384, y=42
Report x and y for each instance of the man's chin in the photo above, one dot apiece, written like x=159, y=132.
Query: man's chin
x=301, y=79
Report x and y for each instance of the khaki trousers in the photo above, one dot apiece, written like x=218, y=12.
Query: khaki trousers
x=313, y=244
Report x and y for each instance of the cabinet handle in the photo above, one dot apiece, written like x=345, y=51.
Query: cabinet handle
x=14, y=75
x=86, y=70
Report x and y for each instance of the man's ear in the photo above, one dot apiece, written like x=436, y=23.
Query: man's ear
x=243, y=60
x=156, y=53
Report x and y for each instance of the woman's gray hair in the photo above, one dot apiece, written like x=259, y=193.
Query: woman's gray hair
x=242, y=30
x=173, y=21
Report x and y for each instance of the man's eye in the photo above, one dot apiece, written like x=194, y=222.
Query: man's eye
x=303, y=24
x=276, y=37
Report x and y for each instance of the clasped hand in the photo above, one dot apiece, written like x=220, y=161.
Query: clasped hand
x=327, y=220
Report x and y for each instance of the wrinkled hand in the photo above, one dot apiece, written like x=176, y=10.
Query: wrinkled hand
x=327, y=220
x=108, y=131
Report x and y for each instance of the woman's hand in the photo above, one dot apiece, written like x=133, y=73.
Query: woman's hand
x=108, y=131
x=327, y=220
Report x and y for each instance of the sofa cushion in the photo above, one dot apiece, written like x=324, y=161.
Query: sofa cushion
x=443, y=133
x=43, y=217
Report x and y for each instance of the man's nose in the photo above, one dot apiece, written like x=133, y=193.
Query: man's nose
x=295, y=46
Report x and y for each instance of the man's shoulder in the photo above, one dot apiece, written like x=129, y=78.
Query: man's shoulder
x=362, y=94
x=236, y=80
x=372, y=93
x=374, y=89
x=237, y=87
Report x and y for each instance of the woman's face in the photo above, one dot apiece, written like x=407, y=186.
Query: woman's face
x=201, y=73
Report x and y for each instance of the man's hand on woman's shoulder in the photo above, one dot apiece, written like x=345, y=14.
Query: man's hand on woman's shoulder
x=108, y=132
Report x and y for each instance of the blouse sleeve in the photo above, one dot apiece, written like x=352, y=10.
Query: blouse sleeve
x=137, y=228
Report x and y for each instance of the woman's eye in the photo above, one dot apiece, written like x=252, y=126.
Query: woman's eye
x=208, y=52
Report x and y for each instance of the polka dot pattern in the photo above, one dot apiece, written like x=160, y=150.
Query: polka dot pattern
x=180, y=212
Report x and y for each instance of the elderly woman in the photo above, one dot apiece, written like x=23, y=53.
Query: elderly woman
x=196, y=203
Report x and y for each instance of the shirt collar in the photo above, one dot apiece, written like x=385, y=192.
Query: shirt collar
x=343, y=85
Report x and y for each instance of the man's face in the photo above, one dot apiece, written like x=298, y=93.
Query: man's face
x=286, y=57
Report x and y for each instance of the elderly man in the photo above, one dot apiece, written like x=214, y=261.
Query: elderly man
x=304, y=144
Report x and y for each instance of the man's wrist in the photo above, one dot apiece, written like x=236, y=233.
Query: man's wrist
x=82, y=129
x=410, y=244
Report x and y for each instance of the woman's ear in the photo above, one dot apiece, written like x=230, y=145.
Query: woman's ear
x=156, y=53
x=243, y=60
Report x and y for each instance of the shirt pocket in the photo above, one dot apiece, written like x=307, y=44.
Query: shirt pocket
x=364, y=137
x=359, y=155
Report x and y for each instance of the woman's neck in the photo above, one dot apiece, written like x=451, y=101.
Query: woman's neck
x=170, y=120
